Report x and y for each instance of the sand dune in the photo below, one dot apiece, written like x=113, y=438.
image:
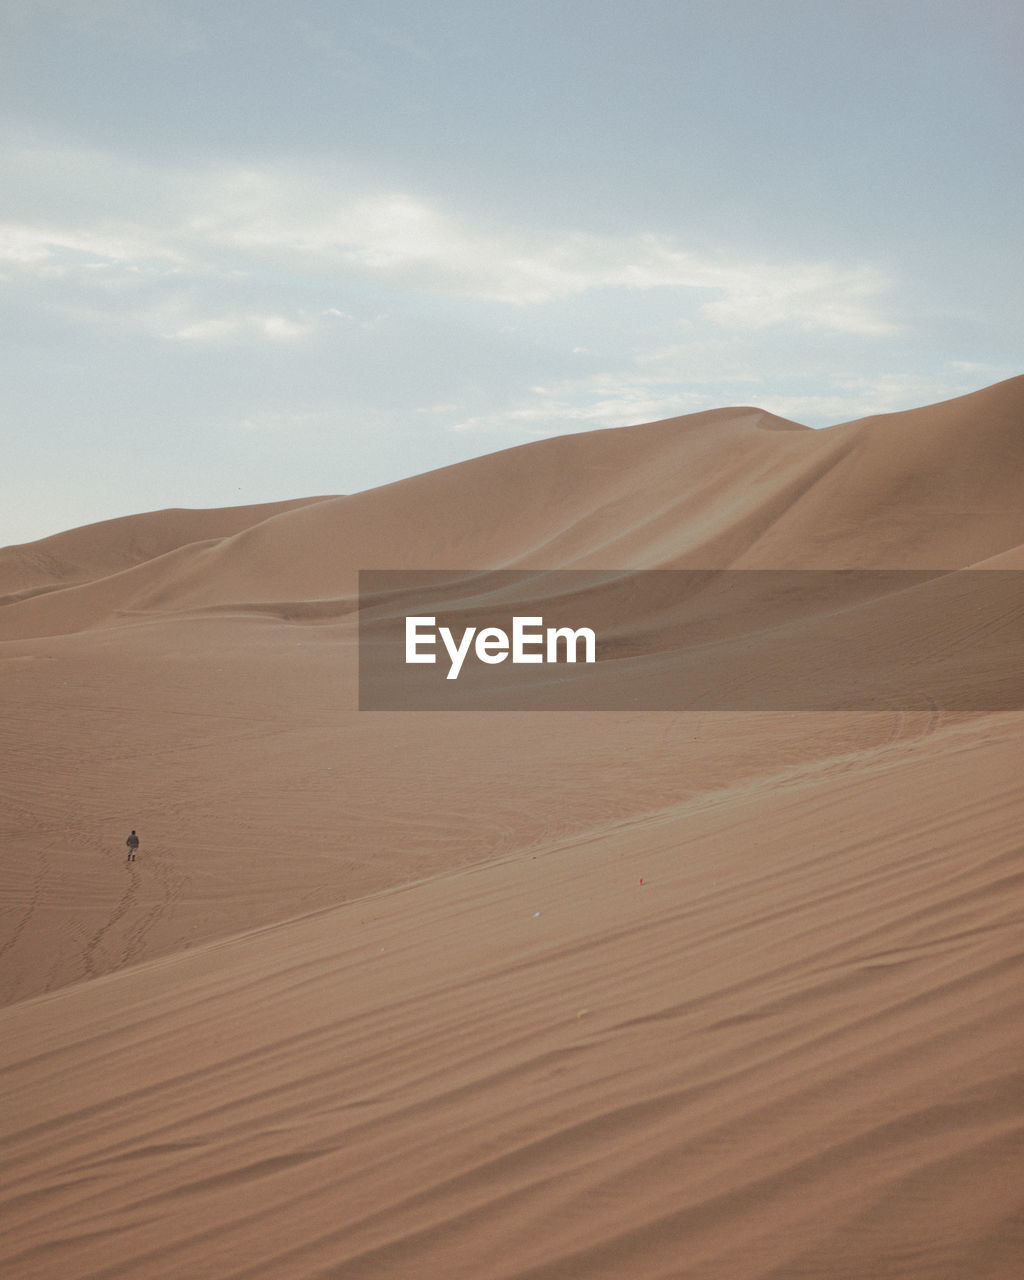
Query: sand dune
x=100, y=550
x=929, y=488
x=793, y=1050
x=594, y=994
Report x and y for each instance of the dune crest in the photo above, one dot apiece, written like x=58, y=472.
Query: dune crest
x=733, y=488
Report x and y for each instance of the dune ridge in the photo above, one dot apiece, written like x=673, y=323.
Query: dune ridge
x=99, y=550
x=723, y=996
x=735, y=488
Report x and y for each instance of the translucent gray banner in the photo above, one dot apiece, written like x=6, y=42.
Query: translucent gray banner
x=729, y=640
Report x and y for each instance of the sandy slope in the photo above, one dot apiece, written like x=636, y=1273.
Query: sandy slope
x=100, y=550
x=794, y=1050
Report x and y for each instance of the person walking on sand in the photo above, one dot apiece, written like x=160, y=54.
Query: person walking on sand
x=133, y=844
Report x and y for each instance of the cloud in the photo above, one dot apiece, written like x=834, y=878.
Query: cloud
x=69, y=246
x=847, y=397
x=277, y=328
x=637, y=394
x=399, y=237
x=813, y=296
x=254, y=223
x=605, y=400
x=290, y=424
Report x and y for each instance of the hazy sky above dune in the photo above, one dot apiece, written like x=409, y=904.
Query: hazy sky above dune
x=252, y=251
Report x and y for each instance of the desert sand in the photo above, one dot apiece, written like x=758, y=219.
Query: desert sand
x=515, y=995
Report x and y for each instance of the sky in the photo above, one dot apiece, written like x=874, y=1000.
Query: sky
x=252, y=251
